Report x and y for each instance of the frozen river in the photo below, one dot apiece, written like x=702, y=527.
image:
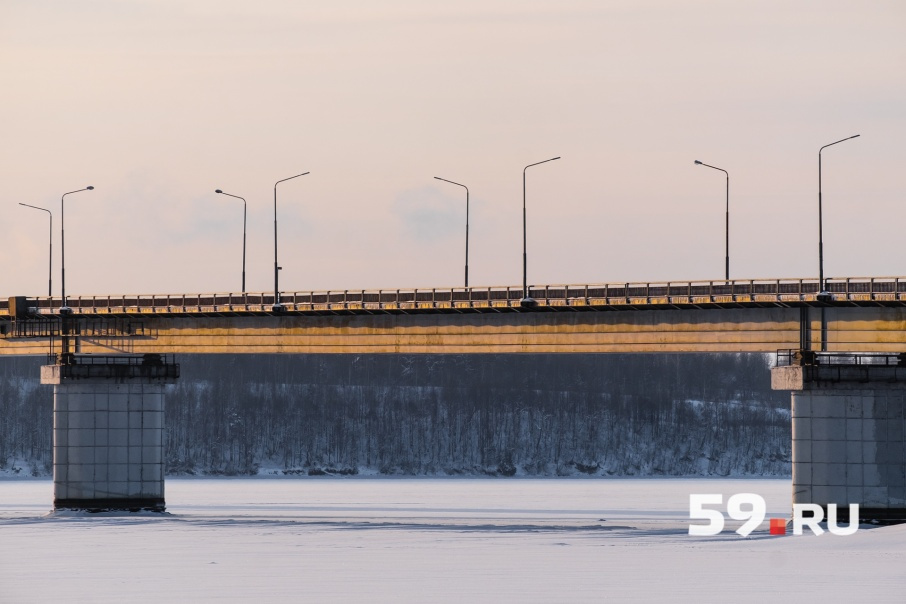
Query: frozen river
x=431, y=540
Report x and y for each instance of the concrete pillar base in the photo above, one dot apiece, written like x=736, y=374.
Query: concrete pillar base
x=109, y=432
x=849, y=437
x=867, y=514
x=112, y=505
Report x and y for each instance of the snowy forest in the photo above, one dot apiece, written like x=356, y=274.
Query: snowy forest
x=504, y=415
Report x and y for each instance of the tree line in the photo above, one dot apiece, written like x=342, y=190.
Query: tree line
x=556, y=414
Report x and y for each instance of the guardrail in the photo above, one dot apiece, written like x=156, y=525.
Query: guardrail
x=654, y=294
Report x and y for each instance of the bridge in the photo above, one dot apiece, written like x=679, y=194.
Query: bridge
x=844, y=360
x=852, y=315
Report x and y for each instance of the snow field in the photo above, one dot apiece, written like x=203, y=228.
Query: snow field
x=438, y=540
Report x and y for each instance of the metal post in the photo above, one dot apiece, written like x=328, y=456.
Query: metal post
x=727, y=229
x=526, y=301
x=805, y=330
x=50, y=248
x=467, y=222
x=823, y=329
x=66, y=327
x=821, y=292
x=277, y=306
x=244, y=212
x=64, y=308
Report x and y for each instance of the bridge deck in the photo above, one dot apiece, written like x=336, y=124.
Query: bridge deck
x=865, y=315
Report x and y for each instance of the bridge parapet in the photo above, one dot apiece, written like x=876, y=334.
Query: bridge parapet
x=613, y=296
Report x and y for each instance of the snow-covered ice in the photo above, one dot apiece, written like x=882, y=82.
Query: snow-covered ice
x=431, y=540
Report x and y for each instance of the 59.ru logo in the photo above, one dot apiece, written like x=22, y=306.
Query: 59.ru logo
x=752, y=509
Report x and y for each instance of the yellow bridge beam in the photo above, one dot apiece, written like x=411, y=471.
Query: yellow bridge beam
x=752, y=329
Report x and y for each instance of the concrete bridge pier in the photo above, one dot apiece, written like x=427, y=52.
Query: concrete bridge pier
x=849, y=432
x=108, y=431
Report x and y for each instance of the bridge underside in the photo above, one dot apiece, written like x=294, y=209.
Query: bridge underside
x=751, y=329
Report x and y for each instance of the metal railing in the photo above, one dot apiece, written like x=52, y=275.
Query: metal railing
x=593, y=296
x=84, y=366
x=113, y=359
x=791, y=357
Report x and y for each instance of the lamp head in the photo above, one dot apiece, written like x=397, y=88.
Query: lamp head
x=697, y=163
x=218, y=191
x=90, y=188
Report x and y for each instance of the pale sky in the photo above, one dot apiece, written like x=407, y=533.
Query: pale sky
x=157, y=103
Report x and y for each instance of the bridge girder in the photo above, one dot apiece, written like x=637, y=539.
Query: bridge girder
x=749, y=329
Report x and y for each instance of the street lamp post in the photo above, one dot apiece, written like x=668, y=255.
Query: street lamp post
x=277, y=306
x=64, y=309
x=49, y=246
x=727, y=231
x=822, y=294
x=467, y=222
x=526, y=301
x=244, y=213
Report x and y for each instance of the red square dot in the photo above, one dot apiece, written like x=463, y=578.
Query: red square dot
x=778, y=526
